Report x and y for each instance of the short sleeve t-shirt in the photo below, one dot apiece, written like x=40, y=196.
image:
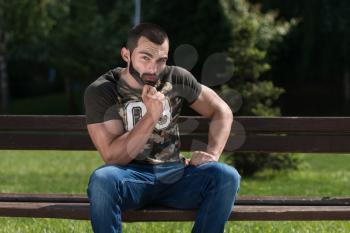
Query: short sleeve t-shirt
x=110, y=98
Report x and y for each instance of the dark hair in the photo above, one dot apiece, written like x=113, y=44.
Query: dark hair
x=151, y=31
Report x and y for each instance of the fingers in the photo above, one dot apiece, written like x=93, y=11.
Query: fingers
x=152, y=90
x=145, y=90
x=152, y=93
x=155, y=95
x=159, y=95
x=201, y=157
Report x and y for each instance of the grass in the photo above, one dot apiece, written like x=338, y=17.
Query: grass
x=68, y=172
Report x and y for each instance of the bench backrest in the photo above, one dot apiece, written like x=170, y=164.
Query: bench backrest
x=263, y=134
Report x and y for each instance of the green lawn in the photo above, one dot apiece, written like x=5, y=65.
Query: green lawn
x=68, y=172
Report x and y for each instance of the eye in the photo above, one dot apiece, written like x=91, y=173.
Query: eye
x=162, y=60
x=145, y=58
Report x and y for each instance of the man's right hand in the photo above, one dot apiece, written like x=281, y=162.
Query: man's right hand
x=153, y=101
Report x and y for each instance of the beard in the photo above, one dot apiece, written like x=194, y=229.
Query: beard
x=145, y=78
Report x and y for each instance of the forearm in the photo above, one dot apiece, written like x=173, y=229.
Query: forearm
x=219, y=131
x=126, y=147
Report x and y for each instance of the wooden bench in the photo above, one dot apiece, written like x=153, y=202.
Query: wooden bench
x=264, y=134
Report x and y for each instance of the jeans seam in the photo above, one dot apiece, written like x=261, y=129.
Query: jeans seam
x=136, y=181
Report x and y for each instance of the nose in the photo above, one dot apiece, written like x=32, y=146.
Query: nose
x=152, y=68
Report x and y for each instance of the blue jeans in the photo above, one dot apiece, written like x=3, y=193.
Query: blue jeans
x=211, y=188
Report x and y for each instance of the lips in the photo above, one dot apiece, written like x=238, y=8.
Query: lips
x=150, y=79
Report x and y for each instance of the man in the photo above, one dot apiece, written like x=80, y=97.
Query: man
x=132, y=116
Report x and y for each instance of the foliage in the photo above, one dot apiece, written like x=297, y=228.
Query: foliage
x=76, y=40
x=86, y=36
x=201, y=24
x=254, y=37
x=24, y=31
x=314, y=61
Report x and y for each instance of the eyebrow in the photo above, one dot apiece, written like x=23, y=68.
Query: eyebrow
x=146, y=53
x=150, y=55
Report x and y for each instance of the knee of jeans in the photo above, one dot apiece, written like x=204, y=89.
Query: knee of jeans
x=235, y=177
x=225, y=175
x=103, y=180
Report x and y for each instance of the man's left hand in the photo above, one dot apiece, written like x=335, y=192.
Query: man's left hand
x=200, y=157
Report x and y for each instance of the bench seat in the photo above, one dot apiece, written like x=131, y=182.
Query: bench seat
x=273, y=208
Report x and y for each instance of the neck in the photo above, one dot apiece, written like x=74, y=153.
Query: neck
x=126, y=77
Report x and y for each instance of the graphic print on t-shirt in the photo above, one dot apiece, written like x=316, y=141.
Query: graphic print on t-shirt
x=135, y=110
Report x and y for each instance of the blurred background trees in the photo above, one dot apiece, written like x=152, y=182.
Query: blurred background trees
x=314, y=62
x=52, y=49
x=24, y=32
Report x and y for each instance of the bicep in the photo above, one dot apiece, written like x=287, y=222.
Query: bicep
x=208, y=102
x=102, y=134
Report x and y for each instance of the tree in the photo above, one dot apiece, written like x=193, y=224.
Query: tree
x=254, y=37
x=315, y=54
x=24, y=25
x=3, y=69
x=85, y=40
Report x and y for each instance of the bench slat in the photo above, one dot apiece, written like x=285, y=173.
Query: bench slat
x=258, y=143
x=240, y=212
x=45, y=141
x=293, y=143
x=194, y=124
x=241, y=200
x=43, y=122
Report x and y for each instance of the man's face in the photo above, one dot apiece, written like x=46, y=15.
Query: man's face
x=148, y=60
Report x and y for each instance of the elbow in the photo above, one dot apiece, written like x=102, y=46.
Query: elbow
x=229, y=114
x=105, y=154
x=114, y=159
x=106, y=157
x=226, y=113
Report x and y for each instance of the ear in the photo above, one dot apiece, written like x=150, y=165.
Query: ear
x=125, y=54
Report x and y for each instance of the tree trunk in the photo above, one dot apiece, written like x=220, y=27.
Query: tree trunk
x=5, y=100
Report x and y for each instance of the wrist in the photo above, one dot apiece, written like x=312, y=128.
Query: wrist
x=151, y=117
x=214, y=154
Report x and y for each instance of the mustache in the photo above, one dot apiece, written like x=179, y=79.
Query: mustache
x=149, y=74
